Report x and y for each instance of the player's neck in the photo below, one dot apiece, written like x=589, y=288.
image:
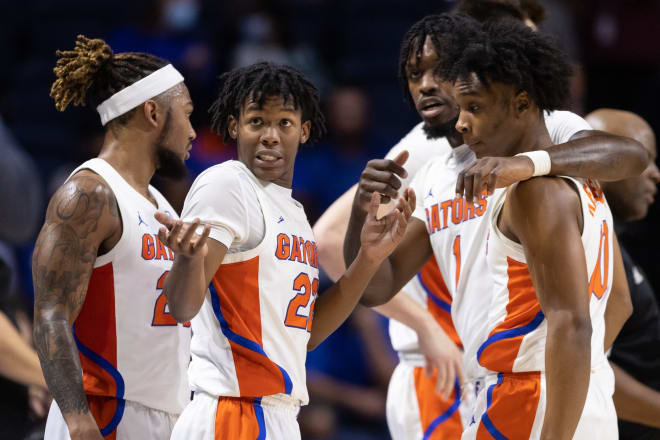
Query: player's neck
x=132, y=157
x=534, y=137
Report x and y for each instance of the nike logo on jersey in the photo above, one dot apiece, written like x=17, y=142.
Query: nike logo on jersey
x=456, y=210
x=294, y=248
x=430, y=194
x=140, y=221
x=280, y=220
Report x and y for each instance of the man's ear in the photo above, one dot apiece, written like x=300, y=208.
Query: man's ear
x=232, y=127
x=521, y=102
x=152, y=112
x=305, y=130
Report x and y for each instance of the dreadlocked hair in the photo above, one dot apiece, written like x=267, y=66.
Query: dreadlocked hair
x=91, y=73
x=257, y=83
x=441, y=29
x=509, y=52
x=490, y=10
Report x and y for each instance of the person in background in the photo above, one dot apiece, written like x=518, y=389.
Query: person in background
x=635, y=356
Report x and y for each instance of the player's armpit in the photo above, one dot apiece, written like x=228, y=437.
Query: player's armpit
x=81, y=217
x=544, y=215
x=598, y=155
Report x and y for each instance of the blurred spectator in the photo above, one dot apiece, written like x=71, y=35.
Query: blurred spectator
x=21, y=197
x=20, y=214
x=323, y=172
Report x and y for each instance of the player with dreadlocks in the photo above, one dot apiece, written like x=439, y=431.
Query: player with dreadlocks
x=113, y=357
x=251, y=278
x=552, y=253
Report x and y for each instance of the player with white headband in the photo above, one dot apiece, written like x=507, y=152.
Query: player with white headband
x=113, y=357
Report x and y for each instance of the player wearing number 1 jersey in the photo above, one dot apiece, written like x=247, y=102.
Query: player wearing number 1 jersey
x=257, y=256
x=113, y=357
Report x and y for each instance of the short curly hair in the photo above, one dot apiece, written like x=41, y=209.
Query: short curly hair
x=260, y=81
x=442, y=30
x=511, y=53
x=490, y=10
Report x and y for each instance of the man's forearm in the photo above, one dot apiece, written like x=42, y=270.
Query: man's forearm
x=406, y=310
x=60, y=363
x=336, y=304
x=634, y=401
x=566, y=387
x=352, y=240
x=185, y=287
x=18, y=361
x=599, y=156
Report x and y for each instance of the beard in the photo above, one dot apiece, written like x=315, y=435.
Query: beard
x=168, y=163
x=440, y=130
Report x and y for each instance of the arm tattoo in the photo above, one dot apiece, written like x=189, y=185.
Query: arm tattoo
x=81, y=214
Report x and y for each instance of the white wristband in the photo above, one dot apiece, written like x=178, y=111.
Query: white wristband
x=541, y=161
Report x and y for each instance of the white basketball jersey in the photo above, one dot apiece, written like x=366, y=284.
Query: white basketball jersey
x=130, y=347
x=250, y=336
x=517, y=328
x=427, y=288
x=458, y=233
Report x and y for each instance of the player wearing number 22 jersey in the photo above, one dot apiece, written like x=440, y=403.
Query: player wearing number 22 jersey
x=257, y=255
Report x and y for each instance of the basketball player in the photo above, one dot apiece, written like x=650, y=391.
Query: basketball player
x=113, y=357
x=551, y=252
x=584, y=151
x=635, y=357
x=263, y=311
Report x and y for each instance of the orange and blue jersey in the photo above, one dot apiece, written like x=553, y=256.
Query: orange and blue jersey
x=130, y=347
x=250, y=336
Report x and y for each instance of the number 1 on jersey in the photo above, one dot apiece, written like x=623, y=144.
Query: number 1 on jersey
x=457, y=255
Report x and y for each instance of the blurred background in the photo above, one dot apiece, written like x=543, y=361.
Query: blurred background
x=349, y=48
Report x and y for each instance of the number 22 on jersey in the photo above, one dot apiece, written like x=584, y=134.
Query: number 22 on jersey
x=305, y=289
x=162, y=316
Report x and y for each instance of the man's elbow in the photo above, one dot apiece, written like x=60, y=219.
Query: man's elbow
x=371, y=299
x=570, y=327
x=639, y=156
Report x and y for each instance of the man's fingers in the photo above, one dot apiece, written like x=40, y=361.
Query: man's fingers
x=187, y=236
x=374, y=203
x=492, y=182
x=468, y=182
x=460, y=373
x=202, y=239
x=401, y=159
x=379, y=187
x=449, y=382
x=382, y=176
x=164, y=219
x=428, y=368
x=460, y=184
x=162, y=236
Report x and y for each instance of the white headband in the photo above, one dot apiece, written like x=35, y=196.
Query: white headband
x=130, y=97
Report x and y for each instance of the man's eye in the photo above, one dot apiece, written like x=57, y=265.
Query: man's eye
x=255, y=121
x=413, y=74
x=285, y=123
x=472, y=108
